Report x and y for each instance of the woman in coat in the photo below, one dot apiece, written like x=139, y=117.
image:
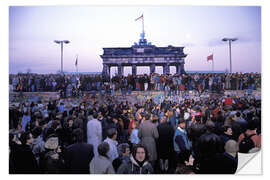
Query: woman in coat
x=148, y=134
x=138, y=163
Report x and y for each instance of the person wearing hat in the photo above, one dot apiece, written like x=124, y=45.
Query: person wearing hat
x=181, y=142
x=51, y=162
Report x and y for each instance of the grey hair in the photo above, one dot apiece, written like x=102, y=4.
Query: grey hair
x=231, y=146
x=122, y=148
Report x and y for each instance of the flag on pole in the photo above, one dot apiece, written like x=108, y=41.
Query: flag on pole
x=139, y=17
x=76, y=62
x=210, y=57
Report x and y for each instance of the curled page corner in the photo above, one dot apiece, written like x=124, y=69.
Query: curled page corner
x=249, y=164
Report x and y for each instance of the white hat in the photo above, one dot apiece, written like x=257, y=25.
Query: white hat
x=51, y=143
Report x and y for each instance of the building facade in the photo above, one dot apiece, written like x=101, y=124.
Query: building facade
x=143, y=54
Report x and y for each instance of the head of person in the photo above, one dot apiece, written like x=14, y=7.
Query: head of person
x=181, y=123
x=231, y=147
x=112, y=133
x=123, y=149
x=198, y=119
x=210, y=126
x=70, y=122
x=147, y=116
x=77, y=135
x=163, y=119
x=36, y=132
x=227, y=130
x=95, y=115
x=115, y=119
x=140, y=109
x=52, y=142
x=55, y=124
x=103, y=149
x=233, y=117
x=135, y=125
x=140, y=153
x=26, y=138
x=252, y=125
x=43, y=124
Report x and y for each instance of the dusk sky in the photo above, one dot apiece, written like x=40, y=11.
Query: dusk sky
x=199, y=29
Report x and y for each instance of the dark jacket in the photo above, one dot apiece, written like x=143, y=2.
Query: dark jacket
x=78, y=157
x=132, y=167
x=228, y=164
x=165, y=140
x=118, y=161
x=209, y=148
x=24, y=160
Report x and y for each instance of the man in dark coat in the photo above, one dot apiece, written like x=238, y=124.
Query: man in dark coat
x=229, y=159
x=24, y=159
x=78, y=155
x=165, y=143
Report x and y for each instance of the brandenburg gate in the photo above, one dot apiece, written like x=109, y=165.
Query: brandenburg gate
x=143, y=54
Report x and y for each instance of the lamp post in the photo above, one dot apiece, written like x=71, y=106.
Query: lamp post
x=61, y=43
x=230, y=51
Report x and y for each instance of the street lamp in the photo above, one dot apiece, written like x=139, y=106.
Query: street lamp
x=230, y=41
x=61, y=43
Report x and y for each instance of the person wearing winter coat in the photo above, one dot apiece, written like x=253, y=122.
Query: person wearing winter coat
x=101, y=163
x=78, y=155
x=24, y=159
x=148, y=134
x=138, y=163
x=165, y=143
x=94, y=132
x=51, y=162
x=124, y=155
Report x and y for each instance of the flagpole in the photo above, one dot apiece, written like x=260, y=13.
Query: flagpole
x=77, y=64
x=213, y=66
x=142, y=24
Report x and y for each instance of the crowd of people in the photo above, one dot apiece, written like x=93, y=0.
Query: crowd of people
x=73, y=85
x=103, y=135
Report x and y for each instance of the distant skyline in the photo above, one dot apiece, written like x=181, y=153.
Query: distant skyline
x=199, y=29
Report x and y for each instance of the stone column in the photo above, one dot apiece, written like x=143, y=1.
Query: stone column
x=182, y=70
x=105, y=69
x=152, y=68
x=109, y=70
x=134, y=69
x=166, y=69
x=178, y=69
x=120, y=70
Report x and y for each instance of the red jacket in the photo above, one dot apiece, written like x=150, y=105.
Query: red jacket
x=228, y=101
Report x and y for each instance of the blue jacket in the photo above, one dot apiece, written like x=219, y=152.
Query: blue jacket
x=180, y=141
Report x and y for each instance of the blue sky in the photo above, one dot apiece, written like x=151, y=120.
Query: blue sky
x=32, y=30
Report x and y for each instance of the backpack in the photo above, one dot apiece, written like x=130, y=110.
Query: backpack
x=246, y=144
